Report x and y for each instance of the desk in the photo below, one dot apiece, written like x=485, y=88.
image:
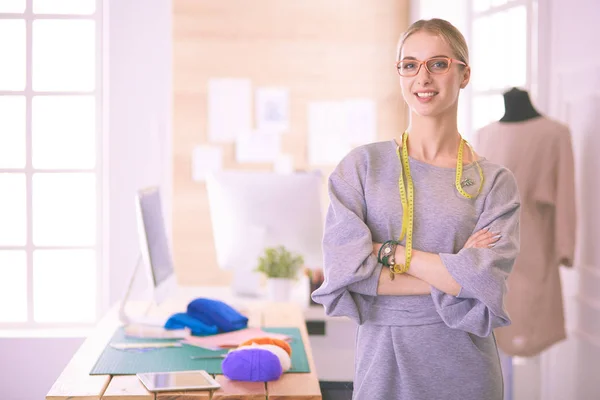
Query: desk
x=75, y=383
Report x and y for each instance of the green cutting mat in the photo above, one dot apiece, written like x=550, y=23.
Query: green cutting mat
x=129, y=362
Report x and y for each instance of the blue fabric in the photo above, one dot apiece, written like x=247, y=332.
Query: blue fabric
x=215, y=312
x=252, y=365
x=197, y=327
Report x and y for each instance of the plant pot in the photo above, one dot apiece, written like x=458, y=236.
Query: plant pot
x=279, y=289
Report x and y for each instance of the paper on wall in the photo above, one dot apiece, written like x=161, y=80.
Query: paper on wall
x=229, y=108
x=327, y=133
x=284, y=164
x=257, y=147
x=205, y=160
x=273, y=109
x=361, y=121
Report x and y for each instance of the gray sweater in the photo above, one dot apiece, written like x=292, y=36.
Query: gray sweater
x=365, y=207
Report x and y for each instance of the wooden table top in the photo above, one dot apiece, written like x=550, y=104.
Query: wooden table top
x=75, y=383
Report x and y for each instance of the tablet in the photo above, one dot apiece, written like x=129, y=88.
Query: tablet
x=178, y=380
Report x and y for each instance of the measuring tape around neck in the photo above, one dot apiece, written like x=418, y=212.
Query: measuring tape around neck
x=407, y=197
x=408, y=211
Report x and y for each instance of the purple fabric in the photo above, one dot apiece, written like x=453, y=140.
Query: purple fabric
x=253, y=365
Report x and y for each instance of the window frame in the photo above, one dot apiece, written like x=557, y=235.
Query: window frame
x=101, y=217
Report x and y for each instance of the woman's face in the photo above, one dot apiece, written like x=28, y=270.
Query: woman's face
x=431, y=94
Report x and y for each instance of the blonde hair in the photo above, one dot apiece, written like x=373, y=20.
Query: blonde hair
x=445, y=30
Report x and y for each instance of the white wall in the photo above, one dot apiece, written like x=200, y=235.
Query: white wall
x=572, y=87
x=139, y=128
x=140, y=122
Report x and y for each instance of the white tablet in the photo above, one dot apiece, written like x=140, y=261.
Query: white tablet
x=178, y=380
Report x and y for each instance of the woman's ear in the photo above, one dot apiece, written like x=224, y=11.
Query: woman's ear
x=466, y=77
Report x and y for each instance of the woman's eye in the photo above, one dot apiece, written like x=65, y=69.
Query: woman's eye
x=408, y=65
x=440, y=65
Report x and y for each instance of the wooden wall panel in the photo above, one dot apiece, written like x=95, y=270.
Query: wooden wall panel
x=320, y=50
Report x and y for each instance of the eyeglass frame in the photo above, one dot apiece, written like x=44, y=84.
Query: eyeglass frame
x=449, y=59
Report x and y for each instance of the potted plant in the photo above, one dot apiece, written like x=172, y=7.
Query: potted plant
x=281, y=268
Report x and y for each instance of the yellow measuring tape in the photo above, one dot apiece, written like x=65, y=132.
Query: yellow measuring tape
x=459, y=170
x=407, y=197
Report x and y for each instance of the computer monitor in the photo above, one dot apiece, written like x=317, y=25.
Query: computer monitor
x=251, y=211
x=154, y=243
x=155, y=254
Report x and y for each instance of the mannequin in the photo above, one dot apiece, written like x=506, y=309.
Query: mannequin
x=517, y=106
x=538, y=151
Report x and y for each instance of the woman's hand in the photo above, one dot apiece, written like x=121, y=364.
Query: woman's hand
x=481, y=239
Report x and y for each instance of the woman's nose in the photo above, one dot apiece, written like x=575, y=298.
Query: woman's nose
x=423, y=76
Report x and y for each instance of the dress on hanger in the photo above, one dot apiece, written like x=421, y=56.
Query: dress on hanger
x=538, y=151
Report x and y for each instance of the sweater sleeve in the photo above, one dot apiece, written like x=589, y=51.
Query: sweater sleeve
x=350, y=269
x=482, y=272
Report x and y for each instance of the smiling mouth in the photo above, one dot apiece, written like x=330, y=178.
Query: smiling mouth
x=425, y=95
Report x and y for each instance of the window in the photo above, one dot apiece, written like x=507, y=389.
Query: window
x=50, y=162
x=502, y=54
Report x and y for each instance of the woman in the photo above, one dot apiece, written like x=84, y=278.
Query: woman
x=428, y=300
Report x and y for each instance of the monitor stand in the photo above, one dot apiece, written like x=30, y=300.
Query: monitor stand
x=140, y=319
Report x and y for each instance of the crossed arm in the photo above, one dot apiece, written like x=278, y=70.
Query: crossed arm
x=427, y=269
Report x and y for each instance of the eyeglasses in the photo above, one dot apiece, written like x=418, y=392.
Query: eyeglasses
x=435, y=66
